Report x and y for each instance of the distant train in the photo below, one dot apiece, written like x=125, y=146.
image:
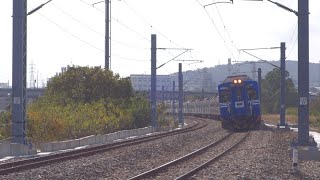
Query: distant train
x=237, y=106
x=239, y=99
x=205, y=108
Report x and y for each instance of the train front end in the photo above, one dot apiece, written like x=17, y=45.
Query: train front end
x=239, y=103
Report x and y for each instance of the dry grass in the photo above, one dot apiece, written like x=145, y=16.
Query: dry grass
x=292, y=119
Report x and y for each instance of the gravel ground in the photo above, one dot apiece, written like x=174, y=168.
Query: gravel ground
x=264, y=155
x=126, y=162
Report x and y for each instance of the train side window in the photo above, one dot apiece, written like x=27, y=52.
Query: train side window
x=225, y=96
x=252, y=94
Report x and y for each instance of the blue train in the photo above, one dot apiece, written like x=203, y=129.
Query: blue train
x=239, y=103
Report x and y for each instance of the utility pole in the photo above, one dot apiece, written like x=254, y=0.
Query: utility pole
x=162, y=96
x=107, y=34
x=282, y=123
x=153, y=80
x=173, y=99
x=19, y=68
x=19, y=63
x=259, y=83
x=303, y=71
x=180, y=95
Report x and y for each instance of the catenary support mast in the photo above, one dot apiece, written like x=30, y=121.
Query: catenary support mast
x=19, y=61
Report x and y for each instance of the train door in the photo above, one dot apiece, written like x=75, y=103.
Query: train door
x=238, y=100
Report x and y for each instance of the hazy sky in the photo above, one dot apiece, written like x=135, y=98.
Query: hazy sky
x=71, y=32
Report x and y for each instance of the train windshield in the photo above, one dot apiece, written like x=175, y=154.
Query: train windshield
x=252, y=93
x=225, y=96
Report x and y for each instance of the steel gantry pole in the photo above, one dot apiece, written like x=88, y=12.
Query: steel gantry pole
x=19, y=61
x=180, y=95
x=173, y=99
x=282, y=123
x=259, y=84
x=107, y=34
x=153, y=80
x=303, y=71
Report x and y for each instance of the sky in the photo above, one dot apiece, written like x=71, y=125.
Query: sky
x=72, y=33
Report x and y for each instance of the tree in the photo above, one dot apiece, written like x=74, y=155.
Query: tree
x=271, y=91
x=84, y=101
x=85, y=84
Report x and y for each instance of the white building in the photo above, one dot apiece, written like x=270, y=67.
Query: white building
x=4, y=85
x=142, y=82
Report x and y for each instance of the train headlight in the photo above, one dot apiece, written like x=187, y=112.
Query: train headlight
x=237, y=81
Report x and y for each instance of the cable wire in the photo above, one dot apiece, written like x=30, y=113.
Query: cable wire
x=78, y=21
x=117, y=20
x=224, y=26
x=151, y=26
x=71, y=34
x=292, y=47
x=130, y=59
x=215, y=26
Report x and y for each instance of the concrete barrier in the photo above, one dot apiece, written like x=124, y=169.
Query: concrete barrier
x=89, y=140
x=46, y=147
x=112, y=136
x=14, y=149
x=19, y=149
x=5, y=148
x=70, y=144
x=98, y=139
x=123, y=134
x=104, y=138
x=61, y=145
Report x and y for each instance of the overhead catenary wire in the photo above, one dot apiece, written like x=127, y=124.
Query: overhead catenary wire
x=150, y=25
x=215, y=26
x=295, y=41
x=70, y=33
x=119, y=22
x=130, y=59
x=77, y=20
x=224, y=26
x=292, y=48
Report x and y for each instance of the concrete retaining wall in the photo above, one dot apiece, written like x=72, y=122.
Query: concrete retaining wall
x=94, y=139
x=13, y=149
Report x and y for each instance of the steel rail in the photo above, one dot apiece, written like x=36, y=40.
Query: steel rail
x=183, y=158
x=16, y=166
x=202, y=166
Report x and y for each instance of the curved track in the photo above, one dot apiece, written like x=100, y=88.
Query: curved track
x=169, y=168
x=44, y=160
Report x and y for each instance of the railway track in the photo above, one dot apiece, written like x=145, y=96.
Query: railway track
x=21, y=165
x=186, y=166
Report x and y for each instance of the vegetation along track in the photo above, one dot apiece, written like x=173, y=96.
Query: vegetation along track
x=21, y=165
x=194, y=161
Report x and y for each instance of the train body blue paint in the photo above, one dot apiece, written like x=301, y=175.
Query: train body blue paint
x=239, y=103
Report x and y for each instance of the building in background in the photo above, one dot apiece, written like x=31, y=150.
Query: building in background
x=142, y=82
x=4, y=85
